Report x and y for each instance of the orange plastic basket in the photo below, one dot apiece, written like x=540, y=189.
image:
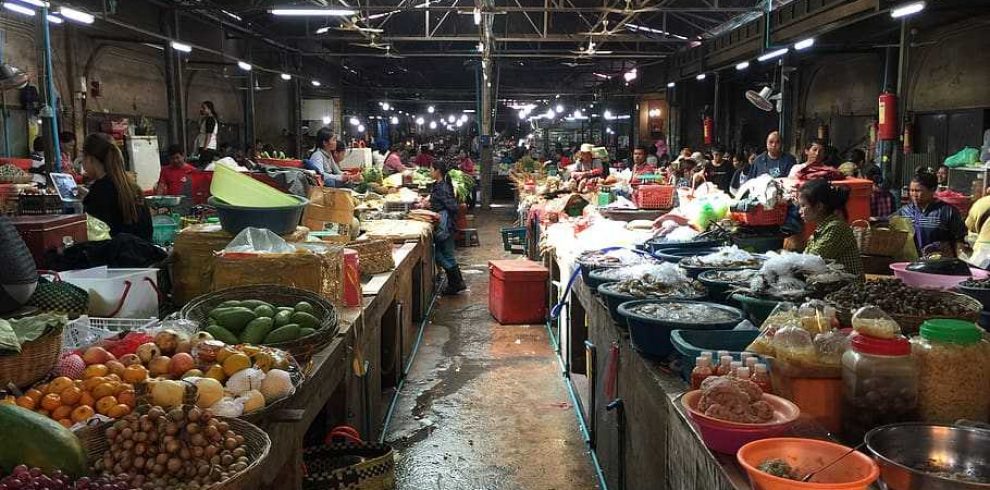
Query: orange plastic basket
x=759, y=216
x=651, y=196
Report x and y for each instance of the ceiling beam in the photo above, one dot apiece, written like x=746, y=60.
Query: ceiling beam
x=497, y=54
x=552, y=38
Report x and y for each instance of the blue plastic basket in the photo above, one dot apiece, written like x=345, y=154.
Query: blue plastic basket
x=690, y=343
x=514, y=239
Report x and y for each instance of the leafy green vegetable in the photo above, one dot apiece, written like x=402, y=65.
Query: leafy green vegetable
x=371, y=174
x=8, y=339
x=32, y=327
x=463, y=184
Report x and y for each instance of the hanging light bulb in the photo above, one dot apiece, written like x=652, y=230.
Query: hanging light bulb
x=430, y=109
x=433, y=125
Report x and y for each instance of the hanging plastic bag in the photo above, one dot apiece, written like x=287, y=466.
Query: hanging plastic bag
x=96, y=230
x=909, y=252
x=258, y=240
x=963, y=158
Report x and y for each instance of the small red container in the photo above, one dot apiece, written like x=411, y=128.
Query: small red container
x=858, y=205
x=352, y=278
x=517, y=291
x=45, y=232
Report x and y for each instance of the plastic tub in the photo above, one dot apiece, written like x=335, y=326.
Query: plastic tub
x=979, y=294
x=613, y=300
x=595, y=279
x=690, y=343
x=651, y=337
x=932, y=281
x=676, y=254
x=241, y=190
x=718, y=291
x=758, y=309
x=652, y=246
x=727, y=437
x=759, y=244
x=280, y=220
x=856, y=471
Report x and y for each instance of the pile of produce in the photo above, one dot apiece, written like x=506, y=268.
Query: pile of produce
x=779, y=468
x=552, y=185
x=463, y=184
x=182, y=448
x=15, y=332
x=805, y=340
x=734, y=399
x=976, y=283
x=12, y=173
x=791, y=276
x=258, y=322
x=730, y=257
x=683, y=312
x=40, y=443
x=896, y=298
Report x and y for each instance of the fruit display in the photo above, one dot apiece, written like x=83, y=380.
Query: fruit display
x=258, y=322
x=39, y=442
x=185, y=447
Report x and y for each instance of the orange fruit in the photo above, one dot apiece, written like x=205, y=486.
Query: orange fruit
x=87, y=399
x=127, y=397
x=26, y=402
x=34, y=394
x=82, y=413
x=58, y=384
x=65, y=423
x=118, y=411
x=95, y=370
x=116, y=367
x=63, y=412
x=91, y=383
x=71, y=395
x=113, y=377
x=44, y=412
x=42, y=387
x=105, y=404
x=51, y=401
x=122, y=387
x=103, y=389
x=135, y=373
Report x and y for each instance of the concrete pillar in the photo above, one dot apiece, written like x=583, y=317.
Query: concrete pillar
x=249, y=111
x=46, y=90
x=174, y=88
x=485, y=120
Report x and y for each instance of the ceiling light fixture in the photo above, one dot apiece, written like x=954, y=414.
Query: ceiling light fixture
x=477, y=16
x=634, y=27
x=385, y=106
x=286, y=77
x=463, y=118
x=21, y=9
x=354, y=121
x=559, y=109
x=433, y=125
x=451, y=119
x=671, y=84
x=36, y=3
x=468, y=111
x=326, y=119
x=54, y=19
x=773, y=54
x=244, y=66
x=75, y=15
x=608, y=114
x=481, y=48
x=394, y=120
x=231, y=15
x=361, y=128
x=549, y=114
x=316, y=83
x=420, y=121
x=701, y=76
x=742, y=66
x=601, y=75
x=323, y=30
x=312, y=12
x=804, y=44
x=630, y=75
x=907, y=9
x=185, y=48
x=430, y=109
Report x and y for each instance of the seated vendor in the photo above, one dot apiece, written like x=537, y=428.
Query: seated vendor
x=174, y=177
x=833, y=238
x=113, y=197
x=640, y=166
x=937, y=225
x=393, y=161
x=323, y=161
x=586, y=165
x=813, y=154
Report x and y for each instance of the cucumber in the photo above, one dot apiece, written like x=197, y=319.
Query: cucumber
x=222, y=334
x=286, y=308
x=282, y=318
x=306, y=332
x=264, y=310
x=254, y=303
x=305, y=320
x=283, y=334
x=233, y=319
x=256, y=330
x=230, y=303
x=304, y=307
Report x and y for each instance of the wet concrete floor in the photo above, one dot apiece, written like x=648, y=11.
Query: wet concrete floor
x=484, y=406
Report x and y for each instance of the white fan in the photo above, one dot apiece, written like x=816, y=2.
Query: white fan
x=372, y=44
x=764, y=100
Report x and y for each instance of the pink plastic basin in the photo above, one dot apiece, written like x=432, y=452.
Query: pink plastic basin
x=932, y=281
x=727, y=437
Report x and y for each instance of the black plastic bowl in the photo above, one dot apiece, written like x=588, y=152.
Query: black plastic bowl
x=675, y=255
x=653, y=246
x=718, y=291
x=613, y=300
x=595, y=279
x=651, y=337
x=980, y=294
x=280, y=220
x=694, y=271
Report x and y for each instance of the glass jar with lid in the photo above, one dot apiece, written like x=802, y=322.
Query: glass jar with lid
x=880, y=384
x=953, y=371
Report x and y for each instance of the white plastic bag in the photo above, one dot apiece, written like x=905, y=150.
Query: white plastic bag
x=258, y=240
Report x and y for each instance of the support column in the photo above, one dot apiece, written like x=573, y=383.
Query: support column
x=897, y=156
x=49, y=108
x=485, y=120
x=249, y=111
x=174, y=86
x=295, y=120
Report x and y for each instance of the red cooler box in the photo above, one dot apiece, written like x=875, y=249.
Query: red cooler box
x=46, y=232
x=517, y=291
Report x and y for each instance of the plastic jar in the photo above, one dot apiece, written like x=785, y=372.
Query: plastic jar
x=953, y=371
x=879, y=384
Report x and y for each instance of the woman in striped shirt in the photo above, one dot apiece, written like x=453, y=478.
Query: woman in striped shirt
x=937, y=225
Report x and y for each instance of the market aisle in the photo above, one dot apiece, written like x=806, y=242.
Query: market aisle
x=484, y=406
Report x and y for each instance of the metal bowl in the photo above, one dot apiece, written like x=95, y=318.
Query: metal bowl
x=901, y=448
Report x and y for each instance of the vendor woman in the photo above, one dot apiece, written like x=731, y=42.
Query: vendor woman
x=937, y=225
x=444, y=202
x=113, y=197
x=833, y=238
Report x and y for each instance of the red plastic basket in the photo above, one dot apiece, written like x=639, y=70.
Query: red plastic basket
x=650, y=196
x=759, y=216
x=960, y=203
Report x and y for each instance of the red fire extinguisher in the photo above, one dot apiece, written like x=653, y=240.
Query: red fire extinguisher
x=907, y=143
x=887, y=115
x=709, y=129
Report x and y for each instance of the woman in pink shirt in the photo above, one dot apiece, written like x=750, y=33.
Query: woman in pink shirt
x=465, y=164
x=393, y=162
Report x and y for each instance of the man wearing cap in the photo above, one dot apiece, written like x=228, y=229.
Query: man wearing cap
x=587, y=165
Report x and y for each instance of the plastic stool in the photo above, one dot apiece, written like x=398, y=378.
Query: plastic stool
x=469, y=237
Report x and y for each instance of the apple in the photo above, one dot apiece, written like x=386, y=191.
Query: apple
x=159, y=366
x=97, y=355
x=148, y=351
x=181, y=363
x=168, y=341
x=129, y=359
x=116, y=367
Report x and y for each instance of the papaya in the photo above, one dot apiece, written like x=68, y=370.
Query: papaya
x=254, y=303
x=233, y=319
x=256, y=330
x=35, y=440
x=264, y=310
x=306, y=332
x=222, y=334
x=229, y=303
x=283, y=334
x=305, y=320
x=282, y=318
x=304, y=307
